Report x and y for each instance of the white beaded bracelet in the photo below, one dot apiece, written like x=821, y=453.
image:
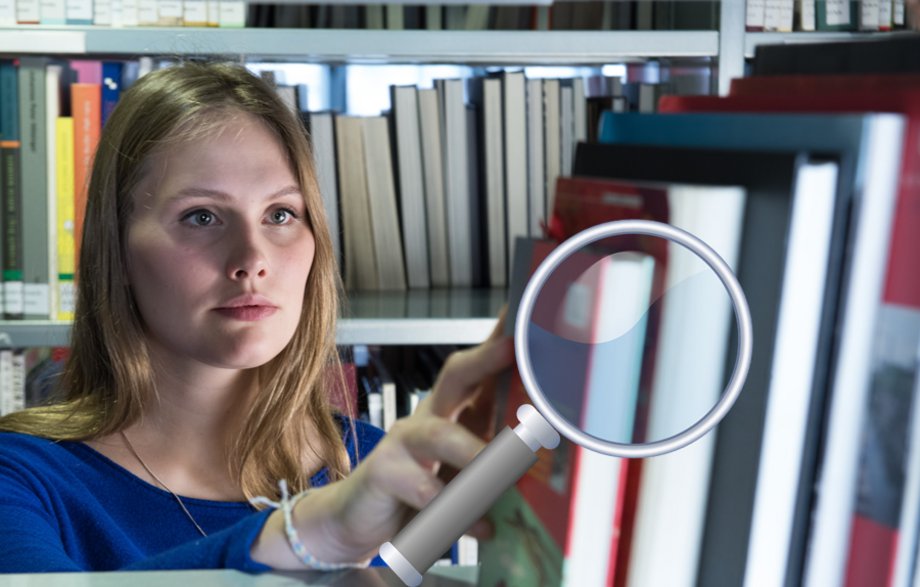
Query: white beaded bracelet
x=300, y=551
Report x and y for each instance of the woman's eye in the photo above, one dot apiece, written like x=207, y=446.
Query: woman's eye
x=199, y=218
x=282, y=216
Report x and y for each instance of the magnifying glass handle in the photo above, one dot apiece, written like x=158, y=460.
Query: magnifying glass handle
x=468, y=496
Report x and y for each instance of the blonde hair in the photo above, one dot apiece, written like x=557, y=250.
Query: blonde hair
x=108, y=378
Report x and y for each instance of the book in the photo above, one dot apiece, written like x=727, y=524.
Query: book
x=847, y=139
x=486, y=94
x=886, y=54
x=86, y=110
x=35, y=217
x=360, y=265
x=322, y=140
x=536, y=182
x=408, y=154
x=514, y=125
x=11, y=190
x=433, y=176
x=66, y=217
x=52, y=112
x=456, y=170
x=381, y=196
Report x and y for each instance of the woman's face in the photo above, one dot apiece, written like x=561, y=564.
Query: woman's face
x=218, y=248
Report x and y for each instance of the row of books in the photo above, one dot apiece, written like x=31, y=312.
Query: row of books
x=813, y=478
x=124, y=13
x=825, y=15
x=569, y=15
x=572, y=15
x=447, y=179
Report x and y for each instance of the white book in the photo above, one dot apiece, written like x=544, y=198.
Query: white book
x=7, y=13
x=6, y=381
x=118, y=13
x=433, y=174
x=579, y=111
x=129, y=13
x=778, y=15
x=885, y=16
x=536, y=180
x=792, y=373
x=169, y=12
x=102, y=12
x=552, y=136
x=18, y=381
x=232, y=14
x=673, y=488
x=322, y=136
x=53, y=12
x=28, y=11
x=408, y=143
x=514, y=100
x=148, y=13
x=897, y=12
x=381, y=197
x=825, y=562
x=358, y=246
x=620, y=303
x=79, y=11
x=213, y=13
x=566, y=129
x=456, y=181
x=195, y=13
x=494, y=181
x=52, y=112
x=807, y=14
x=869, y=15
x=755, y=14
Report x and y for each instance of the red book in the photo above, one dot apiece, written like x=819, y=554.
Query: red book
x=874, y=530
x=86, y=104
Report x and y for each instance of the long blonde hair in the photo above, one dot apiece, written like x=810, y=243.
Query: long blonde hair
x=108, y=378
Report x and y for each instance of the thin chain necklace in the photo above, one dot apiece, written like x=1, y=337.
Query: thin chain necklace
x=157, y=479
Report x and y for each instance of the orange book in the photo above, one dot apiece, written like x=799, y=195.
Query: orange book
x=86, y=105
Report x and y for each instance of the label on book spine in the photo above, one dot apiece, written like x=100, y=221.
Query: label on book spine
x=36, y=299
x=12, y=293
x=66, y=297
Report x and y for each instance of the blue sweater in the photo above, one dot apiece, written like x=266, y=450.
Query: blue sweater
x=66, y=507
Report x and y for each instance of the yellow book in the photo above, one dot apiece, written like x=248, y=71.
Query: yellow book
x=66, y=252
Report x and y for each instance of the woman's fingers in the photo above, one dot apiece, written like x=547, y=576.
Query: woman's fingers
x=437, y=440
x=464, y=371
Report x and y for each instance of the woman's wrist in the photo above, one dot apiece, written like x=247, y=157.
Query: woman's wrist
x=313, y=539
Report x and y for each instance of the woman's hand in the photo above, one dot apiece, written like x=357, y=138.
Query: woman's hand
x=350, y=519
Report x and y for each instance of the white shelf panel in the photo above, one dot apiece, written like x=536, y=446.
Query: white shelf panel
x=422, y=317
x=367, y=46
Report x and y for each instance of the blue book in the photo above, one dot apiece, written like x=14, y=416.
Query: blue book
x=111, y=86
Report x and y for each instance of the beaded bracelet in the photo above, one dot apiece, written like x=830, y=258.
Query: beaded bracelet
x=300, y=551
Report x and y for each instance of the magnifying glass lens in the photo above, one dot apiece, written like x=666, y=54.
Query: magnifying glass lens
x=631, y=339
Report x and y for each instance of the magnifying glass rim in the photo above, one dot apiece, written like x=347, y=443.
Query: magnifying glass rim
x=742, y=357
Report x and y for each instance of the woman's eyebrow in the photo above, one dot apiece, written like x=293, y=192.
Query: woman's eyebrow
x=197, y=192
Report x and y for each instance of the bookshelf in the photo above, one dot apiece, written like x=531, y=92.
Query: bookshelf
x=378, y=318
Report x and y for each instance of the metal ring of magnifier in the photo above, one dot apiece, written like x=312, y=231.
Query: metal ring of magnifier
x=742, y=358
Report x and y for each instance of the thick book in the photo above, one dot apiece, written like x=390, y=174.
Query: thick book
x=321, y=128
x=890, y=280
x=66, y=217
x=433, y=175
x=360, y=264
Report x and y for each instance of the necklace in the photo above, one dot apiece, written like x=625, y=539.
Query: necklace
x=163, y=485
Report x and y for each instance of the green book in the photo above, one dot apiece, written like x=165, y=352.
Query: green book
x=9, y=191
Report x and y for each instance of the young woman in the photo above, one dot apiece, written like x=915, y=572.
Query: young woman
x=202, y=357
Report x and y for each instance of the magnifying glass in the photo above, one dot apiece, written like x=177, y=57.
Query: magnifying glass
x=622, y=342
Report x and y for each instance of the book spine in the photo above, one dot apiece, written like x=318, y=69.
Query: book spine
x=53, y=12
x=79, y=12
x=66, y=253
x=28, y=12
x=33, y=153
x=10, y=195
x=86, y=109
x=52, y=111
